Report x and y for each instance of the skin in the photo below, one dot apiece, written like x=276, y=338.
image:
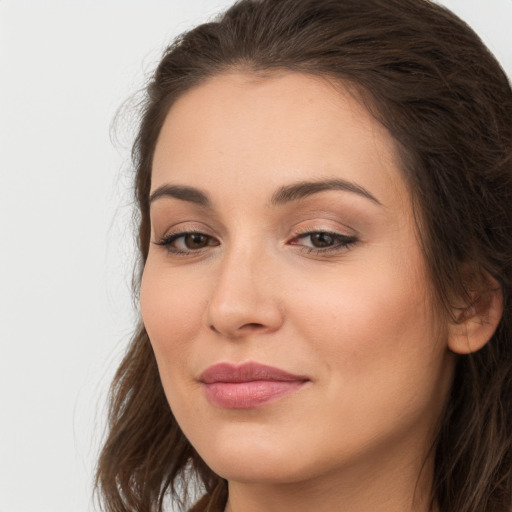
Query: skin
x=359, y=320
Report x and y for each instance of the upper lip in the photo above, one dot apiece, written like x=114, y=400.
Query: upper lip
x=247, y=372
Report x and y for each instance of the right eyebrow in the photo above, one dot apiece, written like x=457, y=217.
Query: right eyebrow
x=183, y=193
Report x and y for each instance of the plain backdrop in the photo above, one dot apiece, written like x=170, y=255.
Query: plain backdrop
x=66, y=244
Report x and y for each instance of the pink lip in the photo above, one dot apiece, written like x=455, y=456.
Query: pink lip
x=248, y=385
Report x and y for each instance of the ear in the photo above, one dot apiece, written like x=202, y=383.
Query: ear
x=475, y=324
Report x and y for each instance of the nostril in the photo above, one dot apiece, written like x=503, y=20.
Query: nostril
x=252, y=326
x=245, y=327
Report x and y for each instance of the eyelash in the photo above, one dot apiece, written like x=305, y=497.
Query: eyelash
x=168, y=240
x=341, y=243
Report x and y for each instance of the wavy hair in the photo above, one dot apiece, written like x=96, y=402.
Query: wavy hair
x=428, y=78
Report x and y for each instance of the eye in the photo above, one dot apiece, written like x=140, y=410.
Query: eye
x=187, y=242
x=322, y=239
x=195, y=240
x=319, y=242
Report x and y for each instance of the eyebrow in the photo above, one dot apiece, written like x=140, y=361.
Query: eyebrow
x=307, y=188
x=285, y=194
x=190, y=194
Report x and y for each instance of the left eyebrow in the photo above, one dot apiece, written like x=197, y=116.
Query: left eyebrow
x=304, y=189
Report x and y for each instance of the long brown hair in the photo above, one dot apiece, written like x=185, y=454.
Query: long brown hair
x=429, y=79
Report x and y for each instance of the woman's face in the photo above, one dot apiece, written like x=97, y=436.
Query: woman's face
x=283, y=237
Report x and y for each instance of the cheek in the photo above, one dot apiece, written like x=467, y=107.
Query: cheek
x=171, y=311
x=365, y=319
x=376, y=340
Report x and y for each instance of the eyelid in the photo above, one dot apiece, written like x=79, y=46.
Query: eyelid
x=179, y=234
x=343, y=237
x=341, y=244
x=184, y=228
x=167, y=242
x=172, y=234
x=323, y=225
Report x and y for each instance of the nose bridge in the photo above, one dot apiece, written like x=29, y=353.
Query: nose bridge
x=244, y=296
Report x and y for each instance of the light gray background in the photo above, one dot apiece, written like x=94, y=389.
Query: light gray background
x=65, y=241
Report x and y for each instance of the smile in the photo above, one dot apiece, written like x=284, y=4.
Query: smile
x=247, y=386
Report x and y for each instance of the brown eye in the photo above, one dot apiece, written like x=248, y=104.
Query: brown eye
x=196, y=241
x=322, y=239
x=187, y=243
x=323, y=242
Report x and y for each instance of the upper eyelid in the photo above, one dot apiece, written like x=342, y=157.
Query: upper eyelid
x=320, y=221
x=303, y=227
x=297, y=232
x=323, y=229
x=314, y=227
x=184, y=228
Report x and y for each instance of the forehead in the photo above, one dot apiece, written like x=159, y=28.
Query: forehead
x=241, y=128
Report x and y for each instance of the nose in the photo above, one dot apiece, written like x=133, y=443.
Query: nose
x=244, y=297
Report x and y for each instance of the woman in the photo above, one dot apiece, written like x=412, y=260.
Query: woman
x=325, y=192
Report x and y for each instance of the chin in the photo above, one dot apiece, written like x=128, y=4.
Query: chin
x=258, y=469
x=254, y=459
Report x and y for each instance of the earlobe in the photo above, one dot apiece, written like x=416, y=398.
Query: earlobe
x=476, y=323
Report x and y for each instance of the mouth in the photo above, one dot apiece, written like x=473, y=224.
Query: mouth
x=248, y=385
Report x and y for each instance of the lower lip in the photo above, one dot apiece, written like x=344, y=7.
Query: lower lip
x=247, y=395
